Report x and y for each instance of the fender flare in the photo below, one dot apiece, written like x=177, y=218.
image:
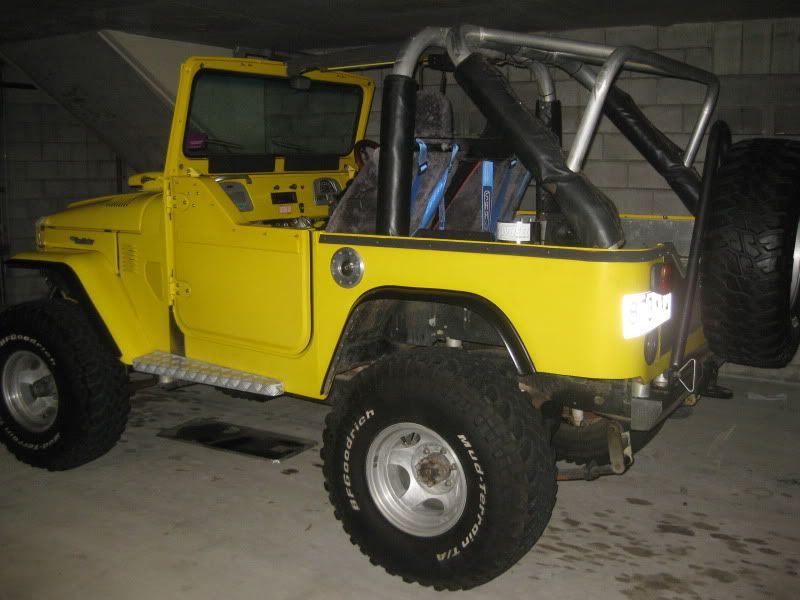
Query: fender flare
x=478, y=304
x=95, y=286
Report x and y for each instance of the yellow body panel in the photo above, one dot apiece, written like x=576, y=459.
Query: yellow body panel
x=144, y=276
x=123, y=271
x=260, y=298
x=178, y=164
x=247, y=285
x=122, y=212
x=244, y=299
x=568, y=312
x=103, y=243
x=127, y=324
x=261, y=185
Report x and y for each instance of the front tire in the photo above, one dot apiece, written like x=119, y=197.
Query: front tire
x=439, y=468
x=64, y=394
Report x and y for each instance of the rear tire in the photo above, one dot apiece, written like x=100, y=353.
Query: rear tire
x=64, y=395
x=750, y=268
x=493, y=446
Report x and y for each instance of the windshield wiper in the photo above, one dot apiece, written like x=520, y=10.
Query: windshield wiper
x=291, y=145
x=225, y=144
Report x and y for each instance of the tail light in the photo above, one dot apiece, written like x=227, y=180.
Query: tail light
x=661, y=277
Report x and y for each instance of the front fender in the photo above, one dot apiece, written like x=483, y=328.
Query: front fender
x=102, y=289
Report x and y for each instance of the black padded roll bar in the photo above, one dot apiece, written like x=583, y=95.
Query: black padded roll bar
x=591, y=214
x=661, y=152
x=398, y=112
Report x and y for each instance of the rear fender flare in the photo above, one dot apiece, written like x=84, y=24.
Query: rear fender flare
x=477, y=304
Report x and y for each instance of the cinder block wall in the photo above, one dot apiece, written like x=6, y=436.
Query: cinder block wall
x=759, y=66
x=50, y=159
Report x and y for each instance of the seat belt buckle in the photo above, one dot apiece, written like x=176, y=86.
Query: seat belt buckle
x=487, y=189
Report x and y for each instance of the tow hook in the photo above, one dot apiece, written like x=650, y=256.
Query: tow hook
x=620, y=456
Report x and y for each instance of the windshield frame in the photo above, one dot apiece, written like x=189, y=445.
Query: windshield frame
x=267, y=160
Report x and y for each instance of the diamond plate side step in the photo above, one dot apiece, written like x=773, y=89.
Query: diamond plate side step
x=197, y=371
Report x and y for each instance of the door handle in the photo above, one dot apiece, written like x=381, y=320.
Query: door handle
x=222, y=178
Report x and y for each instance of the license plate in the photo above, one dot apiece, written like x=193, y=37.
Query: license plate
x=644, y=312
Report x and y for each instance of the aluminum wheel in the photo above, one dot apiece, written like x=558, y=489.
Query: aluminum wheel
x=29, y=391
x=795, y=285
x=416, y=480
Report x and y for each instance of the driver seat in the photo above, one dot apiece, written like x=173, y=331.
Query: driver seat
x=357, y=208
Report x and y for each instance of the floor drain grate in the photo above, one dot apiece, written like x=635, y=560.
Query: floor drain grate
x=237, y=438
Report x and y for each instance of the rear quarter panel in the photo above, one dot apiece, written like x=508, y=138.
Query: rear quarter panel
x=565, y=303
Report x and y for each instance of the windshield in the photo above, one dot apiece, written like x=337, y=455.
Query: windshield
x=242, y=114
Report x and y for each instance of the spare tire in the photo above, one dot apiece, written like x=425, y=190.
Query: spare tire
x=750, y=269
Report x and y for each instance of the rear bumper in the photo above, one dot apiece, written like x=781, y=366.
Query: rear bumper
x=646, y=412
x=640, y=406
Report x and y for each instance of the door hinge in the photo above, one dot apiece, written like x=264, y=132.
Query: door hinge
x=182, y=288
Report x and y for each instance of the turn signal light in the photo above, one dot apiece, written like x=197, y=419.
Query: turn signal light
x=661, y=278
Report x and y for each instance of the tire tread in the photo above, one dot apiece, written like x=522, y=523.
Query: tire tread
x=99, y=380
x=746, y=256
x=510, y=408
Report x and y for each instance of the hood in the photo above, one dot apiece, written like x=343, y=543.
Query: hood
x=121, y=212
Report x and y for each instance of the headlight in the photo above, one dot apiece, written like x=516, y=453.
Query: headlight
x=38, y=232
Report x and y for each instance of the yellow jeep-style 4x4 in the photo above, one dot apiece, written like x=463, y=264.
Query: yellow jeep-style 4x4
x=464, y=339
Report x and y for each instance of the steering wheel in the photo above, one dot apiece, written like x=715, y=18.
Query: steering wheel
x=360, y=151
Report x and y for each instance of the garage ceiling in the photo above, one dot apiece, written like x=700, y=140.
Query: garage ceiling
x=335, y=23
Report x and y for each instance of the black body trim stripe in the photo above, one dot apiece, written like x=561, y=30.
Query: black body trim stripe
x=643, y=255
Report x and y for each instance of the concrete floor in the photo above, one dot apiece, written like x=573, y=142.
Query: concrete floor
x=711, y=509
